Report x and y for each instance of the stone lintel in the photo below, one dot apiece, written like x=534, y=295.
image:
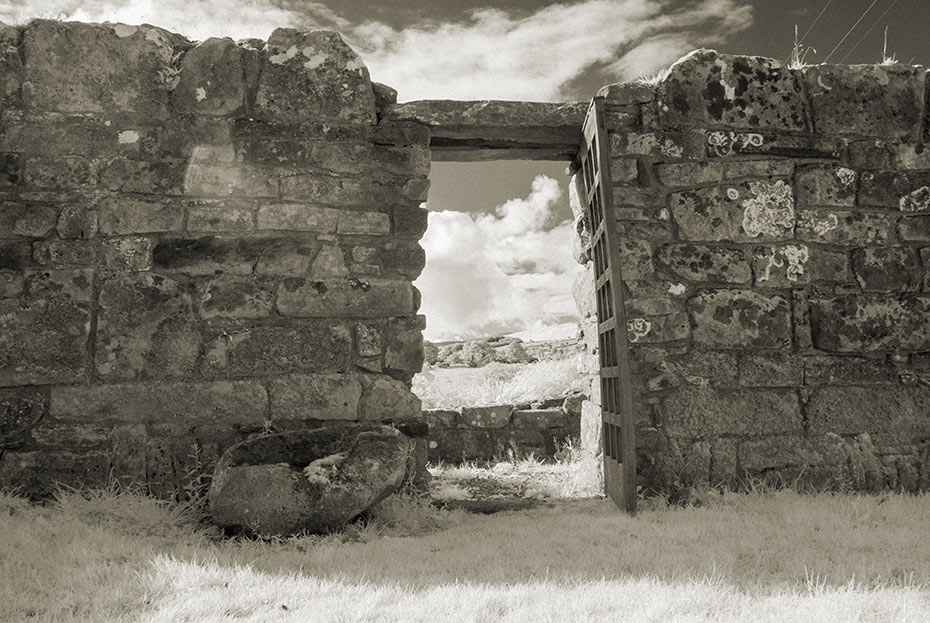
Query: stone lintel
x=468, y=131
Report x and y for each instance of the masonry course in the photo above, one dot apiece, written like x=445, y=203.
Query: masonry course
x=780, y=210
x=203, y=242
x=198, y=243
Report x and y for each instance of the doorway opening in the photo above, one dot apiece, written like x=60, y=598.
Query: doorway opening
x=505, y=379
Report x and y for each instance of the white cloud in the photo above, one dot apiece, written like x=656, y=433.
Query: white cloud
x=496, y=56
x=491, y=55
x=498, y=273
x=195, y=19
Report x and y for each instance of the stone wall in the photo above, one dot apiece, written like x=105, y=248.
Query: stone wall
x=503, y=432
x=775, y=228
x=197, y=243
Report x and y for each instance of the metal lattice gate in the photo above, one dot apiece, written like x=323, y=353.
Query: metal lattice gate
x=616, y=398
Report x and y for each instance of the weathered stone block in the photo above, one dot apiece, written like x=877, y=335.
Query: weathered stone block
x=887, y=269
x=440, y=418
x=656, y=329
x=843, y=228
x=31, y=220
x=757, y=168
x=20, y=410
x=907, y=191
x=409, y=222
x=220, y=219
x=363, y=223
x=138, y=176
x=225, y=180
x=208, y=255
x=120, y=216
x=232, y=296
x=179, y=406
x=62, y=173
x=486, y=417
x=316, y=396
x=41, y=472
x=896, y=411
x=910, y=156
x=635, y=259
x=329, y=262
x=810, y=461
x=11, y=283
x=740, y=319
x=43, y=336
x=704, y=263
x=314, y=76
x=404, y=349
x=287, y=257
x=65, y=253
x=870, y=322
x=689, y=173
x=825, y=186
x=914, y=228
x=77, y=222
x=269, y=350
x=73, y=67
x=211, y=79
x=781, y=266
x=743, y=92
x=298, y=217
x=624, y=170
x=770, y=370
x=351, y=298
x=832, y=370
x=403, y=258
x=867, y=100
x=702, y=412
x=387, y=399
x=753, y=211
x=133, y=253
x=15, y=254
x=540, y=419
x=145, y=328
x=664, y=145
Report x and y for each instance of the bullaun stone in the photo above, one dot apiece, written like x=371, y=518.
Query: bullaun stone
x=311, y=480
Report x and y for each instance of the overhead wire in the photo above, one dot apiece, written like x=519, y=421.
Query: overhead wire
x=849, y=32
x=871, y=28
x=814, y=23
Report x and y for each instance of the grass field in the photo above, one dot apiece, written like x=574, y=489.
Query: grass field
x=742, y=557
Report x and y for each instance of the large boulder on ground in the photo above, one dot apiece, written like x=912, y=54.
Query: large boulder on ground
x=309, y=480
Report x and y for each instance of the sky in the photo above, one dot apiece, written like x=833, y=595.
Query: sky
x=498, y=256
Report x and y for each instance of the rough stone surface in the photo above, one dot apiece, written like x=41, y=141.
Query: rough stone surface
x=313, y=480
x=305, y=73
x=701, y=412
x=740, y=319
x=43, y=336
x=705, y=263
x=744, y=92
x=867, y=323
x=189, y=235
x=866, y=100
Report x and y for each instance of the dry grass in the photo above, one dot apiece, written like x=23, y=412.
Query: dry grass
x=755, y=557
x=496, y=383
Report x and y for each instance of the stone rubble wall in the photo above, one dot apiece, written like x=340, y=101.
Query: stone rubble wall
x=775, y=251
x=503, y=432
x=197, y=243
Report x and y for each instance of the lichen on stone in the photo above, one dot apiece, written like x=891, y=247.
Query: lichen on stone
x=638, y=328
x=769, y=209
x=796, y=256
x=916, y=201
